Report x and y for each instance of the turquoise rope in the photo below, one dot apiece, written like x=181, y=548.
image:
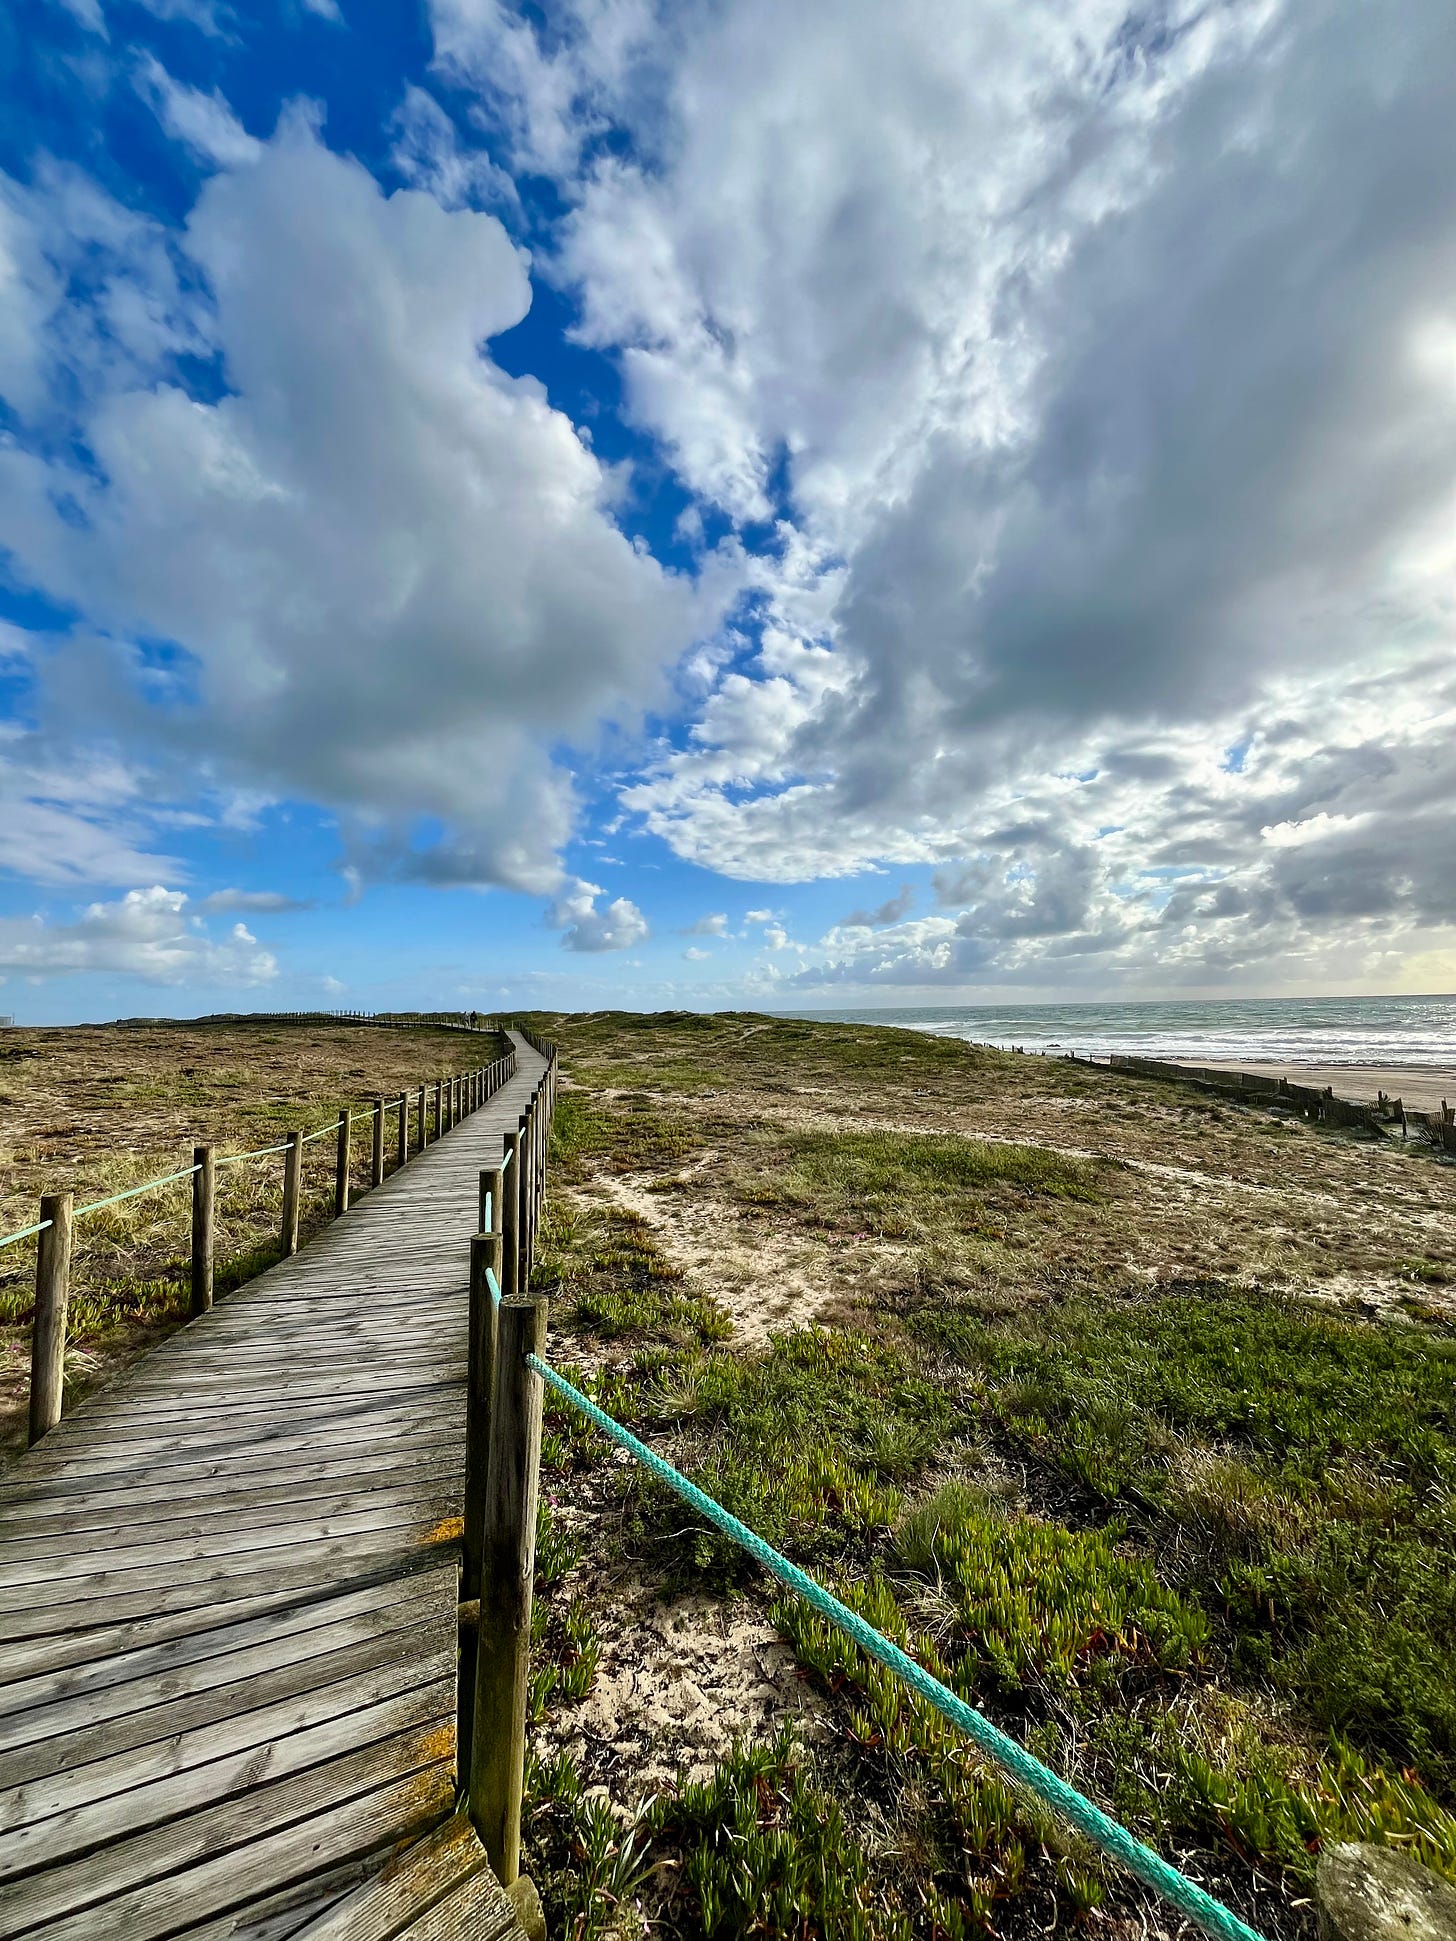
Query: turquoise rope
x=232, y=1158
x=24, y=1234
x=1189, y=1898
x=132, y=1191
x=493, y=1284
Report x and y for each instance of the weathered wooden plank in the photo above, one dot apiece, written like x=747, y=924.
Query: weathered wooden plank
x=429, y=1468
x=357, y=1827
x=164, y=1453
x=278, y=1917
x=220, y=1429
x=155, y=1692
x=477, y=1910
x=244, y=1732
x=49, y=1561
x=371, y=1563
x=406, y=1885
x=430, y=1497
x=433, y=1441
x=82, y=1829
x=105, y=1665
x=127, y=1591
x=162, y=1721
x=107, y=1873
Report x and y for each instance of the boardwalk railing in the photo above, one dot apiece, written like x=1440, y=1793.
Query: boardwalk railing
x=502, y=1459
x=453, y=1099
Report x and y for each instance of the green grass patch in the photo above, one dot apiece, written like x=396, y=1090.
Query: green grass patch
x=631, y=1135
x=875, y=1177
x=807, y=1445
x=1311, y=1457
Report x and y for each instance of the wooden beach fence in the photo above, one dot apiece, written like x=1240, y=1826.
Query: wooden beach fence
x=1318, y=1105
x=54, y=1230
x=502, y=1464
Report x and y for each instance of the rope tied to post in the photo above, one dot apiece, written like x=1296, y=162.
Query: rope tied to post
x=1186, y=1895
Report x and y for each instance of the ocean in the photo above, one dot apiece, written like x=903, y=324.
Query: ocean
x=1294, y=1031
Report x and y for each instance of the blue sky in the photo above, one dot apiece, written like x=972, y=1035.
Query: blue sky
x=609, y=503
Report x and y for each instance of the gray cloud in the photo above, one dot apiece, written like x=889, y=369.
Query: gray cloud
x=258, y=902
x=890, y=911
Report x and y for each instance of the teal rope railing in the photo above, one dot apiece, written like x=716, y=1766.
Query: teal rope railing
x=24, y=1234
x=1186, y=1895
x=232, y=1158
x=131, y=1192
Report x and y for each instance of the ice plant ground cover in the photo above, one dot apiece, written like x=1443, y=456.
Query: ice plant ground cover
x=1126, y=1412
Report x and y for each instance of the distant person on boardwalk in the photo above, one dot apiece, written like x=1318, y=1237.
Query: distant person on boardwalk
x=474, y=1020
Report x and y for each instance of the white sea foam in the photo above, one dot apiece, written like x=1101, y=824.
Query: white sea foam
x=1293, y=1031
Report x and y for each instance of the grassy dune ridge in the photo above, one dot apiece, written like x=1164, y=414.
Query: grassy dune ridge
x=1129, y=1413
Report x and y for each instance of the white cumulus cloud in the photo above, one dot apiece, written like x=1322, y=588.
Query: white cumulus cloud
x=146, y=934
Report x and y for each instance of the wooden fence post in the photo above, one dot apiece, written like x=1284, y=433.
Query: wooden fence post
x=204, y=1219
x=492, y=1192
x=528, y=1190
x=485, y=1253
x=507, y=1561
x=439, y=1098
x=48, y=1330
x=402, y=1131
x=292, y=1185
x=341, y=1165
x=421, y=1135
x=510, y=1221
x=376, y=1168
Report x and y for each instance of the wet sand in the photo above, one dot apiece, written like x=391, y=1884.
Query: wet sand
x=1420, y=1086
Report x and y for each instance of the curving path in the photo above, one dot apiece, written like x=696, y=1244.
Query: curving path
x=228, y=1604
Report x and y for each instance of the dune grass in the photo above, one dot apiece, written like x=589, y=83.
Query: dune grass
x=1192, y=1541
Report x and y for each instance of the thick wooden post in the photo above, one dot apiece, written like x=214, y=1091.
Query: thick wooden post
x=533, y=1173
x=421, y=1136
x=492, y=1192
x=439, y=1099
x=204, y=1220
x=341, y=1165
x=376, y=1167
x=510, y=1220
x=292, y=1185
x=48, y=1330
x=402, y=1131
x=524, y=1277
x=480, y=1387
x=508, y=1559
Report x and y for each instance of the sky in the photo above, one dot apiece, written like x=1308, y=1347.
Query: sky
x=704, y=503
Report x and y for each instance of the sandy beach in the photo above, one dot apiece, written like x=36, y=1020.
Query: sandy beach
x=1420, y=1086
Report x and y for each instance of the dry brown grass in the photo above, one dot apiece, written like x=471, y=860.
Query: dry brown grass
x=1189, y=1187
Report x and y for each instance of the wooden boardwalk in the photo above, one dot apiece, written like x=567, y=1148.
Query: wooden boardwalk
x=228, y=1604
